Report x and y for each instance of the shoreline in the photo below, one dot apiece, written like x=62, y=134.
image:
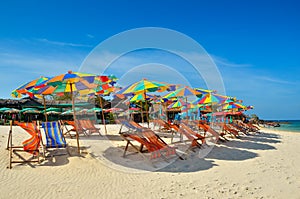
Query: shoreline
x=256, y=166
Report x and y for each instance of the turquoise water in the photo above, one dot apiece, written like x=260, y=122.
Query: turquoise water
x=294, y=125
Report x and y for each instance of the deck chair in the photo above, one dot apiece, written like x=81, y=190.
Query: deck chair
x=146, y=137
x=207, y=128
x=226, y=128
x=89, y=126
x=75, y=126
x=54, y=135
x=30, y=145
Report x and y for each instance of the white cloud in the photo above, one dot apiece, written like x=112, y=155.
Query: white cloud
x=90, y=36
x=59, y=43
x=273, y=80
x=224, y=62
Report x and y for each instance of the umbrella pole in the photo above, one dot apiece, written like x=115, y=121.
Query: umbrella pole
x=147, y=115
x=142, y=112
x=44, y=101
x=103, y=119
x=74, y=116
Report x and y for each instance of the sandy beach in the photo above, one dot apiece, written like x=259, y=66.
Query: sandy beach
x=264, y=165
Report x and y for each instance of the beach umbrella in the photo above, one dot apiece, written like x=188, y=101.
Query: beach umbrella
x=212, y=98
x=25, y=88
x=182, y=92
x=232, y=105
x=105, y=85
x=53, y=113
x=72, y=82
x=29, y=110
x=176, y=104
x=12, y=110
x=95, y=110
x=52, y=109
x=143, y=86
x=71, y=111
x=3, y=109
x=30, y=87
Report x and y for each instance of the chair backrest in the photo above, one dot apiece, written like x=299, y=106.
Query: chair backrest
x=54, y=135
x=32, y=144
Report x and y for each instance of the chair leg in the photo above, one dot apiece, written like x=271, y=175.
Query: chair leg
x=124, y=154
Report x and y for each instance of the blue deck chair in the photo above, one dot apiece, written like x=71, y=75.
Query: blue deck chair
x=54, y=135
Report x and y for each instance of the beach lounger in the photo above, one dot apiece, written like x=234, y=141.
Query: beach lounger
x=30, y=145
x=75, y=127
x=54, y=135
x=207, y=128
x=89, y=126
x=226, y=128
x=146, y=137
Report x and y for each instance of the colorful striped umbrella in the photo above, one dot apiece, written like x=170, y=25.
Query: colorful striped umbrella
x=232, y=105
x=25, y=88
x=73, y=82
x=141, y=97
x=212, y=98
x=176, y=104
x=145, y=86
x=182, y=92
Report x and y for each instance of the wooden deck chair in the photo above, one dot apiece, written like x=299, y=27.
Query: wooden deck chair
x=89, y=126
x=207, y=128
x=75, y=126
x=30, y=145
x=162, y=125
x=54, y=135
x=146, y=137
x=226, y=128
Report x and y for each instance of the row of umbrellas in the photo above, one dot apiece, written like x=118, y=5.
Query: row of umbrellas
x=52, y=110
x=85, y=84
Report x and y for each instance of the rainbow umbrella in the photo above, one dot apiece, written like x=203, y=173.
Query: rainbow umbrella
x=105, y=85
x=182, y=92
x=71, y=82
x=141, y=97
x=212, y=98
x=230, y=106
x=177, y=104
x=25, y=88
x=31, y=87
x=144, y=86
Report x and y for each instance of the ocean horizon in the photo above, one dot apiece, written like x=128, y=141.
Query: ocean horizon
x=288, y=125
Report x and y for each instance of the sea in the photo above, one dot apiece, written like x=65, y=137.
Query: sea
x=290, y=125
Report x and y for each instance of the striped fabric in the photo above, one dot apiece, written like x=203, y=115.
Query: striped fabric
x=54, y=135
x=32, y=144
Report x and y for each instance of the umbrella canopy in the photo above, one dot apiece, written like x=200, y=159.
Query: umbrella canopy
x=212, y=98
x=53, y=109
x=182, y=92
x=177, y=104
x=141, y=97
x=95, y=110
x=4, y=109
x=204, y=91
x=71, y=111
x=230, y=106
x=145, y=86
x=25, y=88
x=29, y=110
x=12, y=110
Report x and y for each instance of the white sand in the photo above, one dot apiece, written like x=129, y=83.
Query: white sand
x=258, y=166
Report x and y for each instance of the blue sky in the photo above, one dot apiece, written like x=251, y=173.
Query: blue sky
x=255, y=44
